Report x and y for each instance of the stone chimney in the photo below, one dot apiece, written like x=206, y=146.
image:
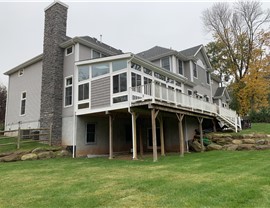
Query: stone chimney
x=52, y=71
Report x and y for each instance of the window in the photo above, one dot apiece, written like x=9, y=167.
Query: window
x=147, y=71
x=120, y=99
x=159, y=76
x=146, y=81
x=190, y=92
x=135, y=66
x=118, y=65
x=23, y=103
x=206, y=98
x=100, y=69
x=208, y=77
x=136, y=80
x=165, y=63
x=84, y=91
x=83, y=73
x=20, y=72
x=120, y=83
x=195, y=71
x=69, y=50
x=90, y=133
x=178, y=84
x=180, y=67
x=68, y=91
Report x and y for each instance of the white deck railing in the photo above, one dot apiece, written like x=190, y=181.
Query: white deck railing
x=172, y=96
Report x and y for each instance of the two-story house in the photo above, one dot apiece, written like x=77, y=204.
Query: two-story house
x=100, y=100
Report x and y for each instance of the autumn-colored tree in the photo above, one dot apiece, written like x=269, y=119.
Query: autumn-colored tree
x=240, y=50
x=3, y=97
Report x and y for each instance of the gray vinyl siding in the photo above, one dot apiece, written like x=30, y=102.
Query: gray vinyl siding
x=201, y=57
x=157, y=62
x=84, y=53
x=67, y=72
x=100, y=92
x=30, y=83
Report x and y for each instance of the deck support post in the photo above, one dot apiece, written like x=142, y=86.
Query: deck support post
x=214, y=125
x=181, y=135
x=110, y=136
x=160, y=119
x=141, y=141
x=154, y=135
x=134, y=136
x=201, y=133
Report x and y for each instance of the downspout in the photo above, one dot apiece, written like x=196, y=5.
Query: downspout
x=74, y=135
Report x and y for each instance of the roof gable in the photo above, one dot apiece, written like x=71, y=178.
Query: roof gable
x=156, y=51
x=191, y=51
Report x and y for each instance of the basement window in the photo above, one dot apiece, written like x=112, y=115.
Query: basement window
x=90, y=133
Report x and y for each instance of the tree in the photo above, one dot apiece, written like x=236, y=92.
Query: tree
x=3, y=98
x=241, y=50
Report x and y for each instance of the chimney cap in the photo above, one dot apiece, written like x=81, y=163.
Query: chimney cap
x=56, y=2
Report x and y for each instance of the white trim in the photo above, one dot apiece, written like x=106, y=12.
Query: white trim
x=77, y=52
x=104, y=59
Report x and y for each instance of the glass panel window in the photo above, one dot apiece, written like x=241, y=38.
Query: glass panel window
x=195, y=71
x=136, y=66
x=120, y=99
x=120, y=83
x=84, y=91
x=23, y=103
x=68, y=91
x=190, y=92
x=83, y=73
x=146, y=81
x=118, y=65
x=159, y=76
x=90, y=133
x=100, y=69
x=96, y=54
x=69, y=50
x=147, y=71
x=136, y=80
x=180, y=67
x=165, y=63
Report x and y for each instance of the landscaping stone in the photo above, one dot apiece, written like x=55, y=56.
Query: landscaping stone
x=213, y=146
x=237, y=141
x=222, y=140
x=11, y=158
x=248, y=141
x=63, y=153
x=196, y=146
x=45, y=155
x=54, y=149
x=261, y=142
x=38, y=150
x=29, y=156
x=230, y=147
x=246, y=136
x=262, y=147
x=246, y=147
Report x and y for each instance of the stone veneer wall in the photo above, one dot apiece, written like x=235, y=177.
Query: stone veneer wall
x=52, y=72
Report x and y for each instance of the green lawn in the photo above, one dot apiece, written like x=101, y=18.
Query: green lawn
x=210, y=179
x=13, y=147
x=262, y=128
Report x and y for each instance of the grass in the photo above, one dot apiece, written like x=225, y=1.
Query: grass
x=13, y=147
x=259, y=128
x=210, y=179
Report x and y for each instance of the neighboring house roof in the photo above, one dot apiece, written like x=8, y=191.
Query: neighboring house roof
x=221, y=92
x=158, y=52
x=25, y=64
x=191, y=51
x=215, y=77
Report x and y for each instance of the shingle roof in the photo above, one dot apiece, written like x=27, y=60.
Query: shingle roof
x=154, y=52
x=101, y=44
x=191, y=51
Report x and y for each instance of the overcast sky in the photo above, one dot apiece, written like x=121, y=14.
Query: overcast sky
x=129, y=26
